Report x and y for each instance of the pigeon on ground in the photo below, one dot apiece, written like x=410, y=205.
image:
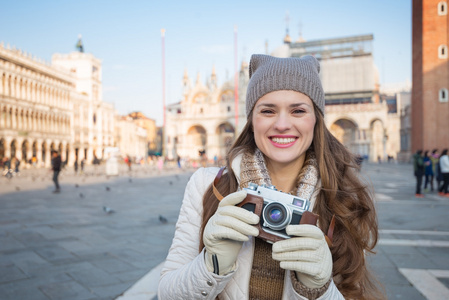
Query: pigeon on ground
x=162, y=219
x=108, y=210
x=76, y=185
x=130, y=180
x=171, y=182
x=108, y=188
x=81, y=195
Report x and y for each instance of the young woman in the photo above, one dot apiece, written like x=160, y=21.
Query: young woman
x=216, y=251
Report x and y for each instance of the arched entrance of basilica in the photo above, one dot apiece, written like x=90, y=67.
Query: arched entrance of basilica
x=197, y=140
x=226, y=136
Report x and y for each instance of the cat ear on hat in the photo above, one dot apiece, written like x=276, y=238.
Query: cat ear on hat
x=255, y=62
x=313, y=61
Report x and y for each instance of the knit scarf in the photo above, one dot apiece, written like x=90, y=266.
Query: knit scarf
x=267, y=277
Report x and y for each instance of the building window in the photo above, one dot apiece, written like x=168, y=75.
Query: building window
x=442, y=8
x=443, y=95
x=201, y=110
x=442, y=52
x=229, y=108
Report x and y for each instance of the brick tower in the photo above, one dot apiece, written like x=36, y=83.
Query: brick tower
x=430, y=106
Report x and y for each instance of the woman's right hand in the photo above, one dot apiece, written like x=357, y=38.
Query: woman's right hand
x=226, y=231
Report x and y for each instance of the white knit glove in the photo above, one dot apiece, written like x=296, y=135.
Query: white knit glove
x=307, y=253
x=226, y=231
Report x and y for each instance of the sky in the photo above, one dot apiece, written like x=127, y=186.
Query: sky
x=126, y=37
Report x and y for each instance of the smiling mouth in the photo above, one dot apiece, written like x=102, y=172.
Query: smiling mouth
x=283, y=141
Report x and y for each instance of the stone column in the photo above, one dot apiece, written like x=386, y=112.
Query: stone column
x=8, y=147
x=47, y=161
x=39, y=152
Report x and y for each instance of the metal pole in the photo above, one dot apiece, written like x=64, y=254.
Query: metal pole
x=163, y=91
x=236, y=82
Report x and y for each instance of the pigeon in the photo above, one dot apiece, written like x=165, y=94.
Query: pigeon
x=76, y=185
x=81, y=195
x=130, y=180
x=108, y=188
x=171, y=182
x=108, y=210
x=162, y=219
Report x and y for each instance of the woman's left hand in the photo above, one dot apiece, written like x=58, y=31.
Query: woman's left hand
x=306, y=253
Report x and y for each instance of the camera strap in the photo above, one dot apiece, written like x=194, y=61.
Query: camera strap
x=216, y=180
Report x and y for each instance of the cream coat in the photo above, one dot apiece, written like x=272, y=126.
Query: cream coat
x=185, y=276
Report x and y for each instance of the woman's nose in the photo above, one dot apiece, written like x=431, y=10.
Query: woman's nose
x=282, y=123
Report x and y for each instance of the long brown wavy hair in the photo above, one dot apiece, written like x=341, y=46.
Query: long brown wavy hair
x=342, y=194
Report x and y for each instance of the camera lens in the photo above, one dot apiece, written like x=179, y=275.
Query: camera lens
x=276, y=216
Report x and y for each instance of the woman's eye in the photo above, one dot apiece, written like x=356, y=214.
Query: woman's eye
x=299, y=111
x=266, y=111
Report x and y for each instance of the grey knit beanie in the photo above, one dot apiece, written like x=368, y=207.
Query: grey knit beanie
x=268, y=74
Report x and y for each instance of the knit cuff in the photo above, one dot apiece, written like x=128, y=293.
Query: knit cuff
x=311, y=294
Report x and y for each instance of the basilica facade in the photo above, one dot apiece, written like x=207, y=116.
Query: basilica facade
x=205, y=121
x=356, y=112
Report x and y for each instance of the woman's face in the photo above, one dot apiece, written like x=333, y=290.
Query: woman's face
x=283, y=124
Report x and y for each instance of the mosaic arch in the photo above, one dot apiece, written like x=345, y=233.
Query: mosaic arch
x=226, y=135
x=197, y=140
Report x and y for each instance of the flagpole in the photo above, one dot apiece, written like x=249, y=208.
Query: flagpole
x=163, y=91
x=236, y=81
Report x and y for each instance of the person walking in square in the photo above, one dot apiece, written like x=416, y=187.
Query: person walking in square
x=435, y=159
x=418, y=168
x=444, y=168
x=56, y=168
x=428, y=171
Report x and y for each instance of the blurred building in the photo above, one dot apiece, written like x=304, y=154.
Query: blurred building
x=355, y=111
x=92, y=119
x=58, y=106
x=150, y=126
x=131, y=138
x=204, y=120
x=430, y=107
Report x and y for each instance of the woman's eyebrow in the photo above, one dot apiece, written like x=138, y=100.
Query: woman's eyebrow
x=298, y=104
x=266, y=104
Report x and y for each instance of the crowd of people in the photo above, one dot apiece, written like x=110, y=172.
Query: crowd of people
x=433, y=167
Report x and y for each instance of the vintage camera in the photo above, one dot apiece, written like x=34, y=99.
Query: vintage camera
x=276, y=210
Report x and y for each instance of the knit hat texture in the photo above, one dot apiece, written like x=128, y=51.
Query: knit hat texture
x=268, y=74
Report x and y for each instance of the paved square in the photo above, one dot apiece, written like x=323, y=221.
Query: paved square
x=65, y=246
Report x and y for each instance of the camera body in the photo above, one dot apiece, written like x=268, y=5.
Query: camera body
x=276, y=210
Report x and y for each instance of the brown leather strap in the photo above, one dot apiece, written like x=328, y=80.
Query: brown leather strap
x=330, y=232
x=216, y=180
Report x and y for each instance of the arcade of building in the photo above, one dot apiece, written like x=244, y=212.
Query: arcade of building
x=59, y=107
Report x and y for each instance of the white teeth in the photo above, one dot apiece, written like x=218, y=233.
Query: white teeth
x=283, y=140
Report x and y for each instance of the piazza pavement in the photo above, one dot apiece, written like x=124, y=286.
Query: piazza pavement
x=102, y=237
